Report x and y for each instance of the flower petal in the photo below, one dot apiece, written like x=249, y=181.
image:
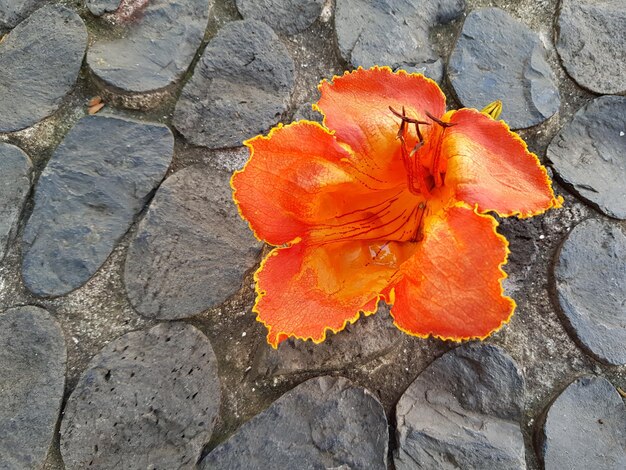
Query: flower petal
x=303, y=290
x=451, y=286
x=356, y=107
x=298, y=184
x=489, y=165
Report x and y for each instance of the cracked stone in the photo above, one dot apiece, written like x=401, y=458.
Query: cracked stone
x=40, y=60
x=284, y=16
x=391, y=32
x=191, y=249
x=96, y=182
x=150, y=45
x=240, y=87
x=325, y=422
x=463, y=411
x=585, y=427
x=590, y=279
x=592, y=43
x=15, y=181
x=497, y=57
x=32, y=380
x=589, y=154
x=147, y=400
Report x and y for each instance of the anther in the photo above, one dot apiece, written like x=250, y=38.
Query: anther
x=405, y=118
x=440, y=122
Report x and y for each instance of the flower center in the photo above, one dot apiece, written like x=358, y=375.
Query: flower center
x=425, y=167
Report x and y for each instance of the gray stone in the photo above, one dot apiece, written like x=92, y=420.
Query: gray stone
x=191, y=249
x=584, y=428
x=432, y=70
x=306, y=112
x=284, y=16
x=14, y=11
x=240, y=87
x=231, y=159
x=40, y=60
x=590, y=278
x=390, y=32
x=100, y=7
x=326, y=422
x=589, y=154
x=364, y=341
x=148, y=400
x=15, y=180
x=32, y=379
x=97, y=180
x=463, y=411
x=592, y=43
x=496, y=57
x=152, y=45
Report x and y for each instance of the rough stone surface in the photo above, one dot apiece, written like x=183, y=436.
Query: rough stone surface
x=32, y=378
x=15, y=180
x=584, y=428
x=147, y=400
x=100, y=7
x=497, y=57
x=191, y=249
x=284, y=16
x=307, y=112
x=240, y=87
x=40, y=60
x=14, y=11
x=325, y=422
x=390, y=32
x=230, y=159
x=463, y=411
x=432, y=70
x=589, y=154
x=97, y=180
x=590, y=278
x=592, y=43
x=341, y=351
x=157, y=43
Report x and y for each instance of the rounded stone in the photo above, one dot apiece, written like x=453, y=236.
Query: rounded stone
x=325, y=422
x=240, y=87
x=284, y=16
x=191, y=249
x=585, y=428
x=15, y=181
x=14, y=11
x=100, y=7
x=496, y=57
x=464, y=408
x=590, y=279
x=96, y=182
x=40, y=60
x=432, y=70
x=151, y=44
x=589, y=154
x=147, y=400
x=32, y=379
x=346, y=350
x=394, y=32
x=592, y=43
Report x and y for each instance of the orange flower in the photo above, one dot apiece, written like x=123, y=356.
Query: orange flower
x=387, y=200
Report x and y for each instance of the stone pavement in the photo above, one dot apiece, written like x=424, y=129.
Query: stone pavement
x=126, y=336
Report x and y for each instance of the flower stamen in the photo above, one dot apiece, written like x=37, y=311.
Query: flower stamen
x=416, y=177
